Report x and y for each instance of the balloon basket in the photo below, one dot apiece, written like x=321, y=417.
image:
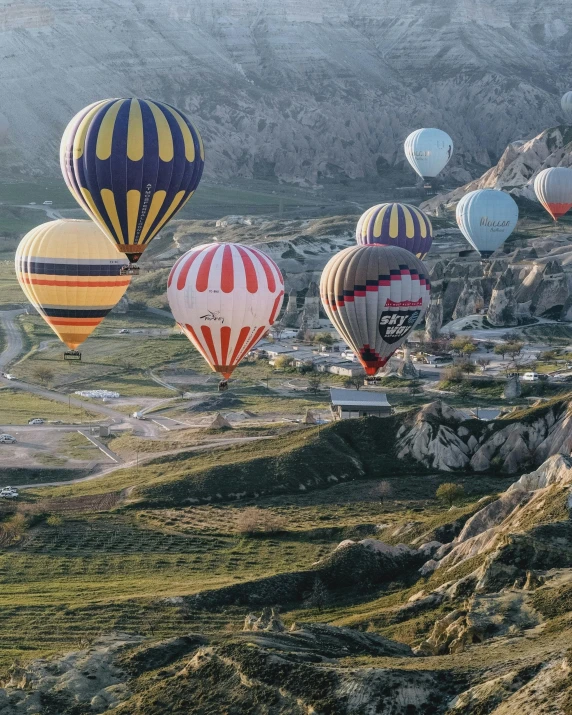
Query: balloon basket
x=129, y=270
x=223, y=386
x=72, y=355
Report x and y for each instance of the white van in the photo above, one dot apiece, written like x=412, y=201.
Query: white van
x=8, y=493
x=531, y=376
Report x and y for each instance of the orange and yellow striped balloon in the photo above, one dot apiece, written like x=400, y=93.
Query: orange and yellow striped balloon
x=71, y=273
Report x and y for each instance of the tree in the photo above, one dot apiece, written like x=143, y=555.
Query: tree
x=450, y=492
x=324, y=339
x=460, y=343
x=44, y=374
x=514, y=349
x=355, y=381
x=468, y=367
x=453, y=373
x=501, y=349
x=483, y=363
x=283, y=361
x=318, y=597
x=469, y=349
x=488, y=346
x=383, y=491
x=315, y=382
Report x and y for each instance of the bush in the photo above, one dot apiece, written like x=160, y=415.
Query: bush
x=450, y=492
x=259, y=521
x=454, y=373
x=54, y=520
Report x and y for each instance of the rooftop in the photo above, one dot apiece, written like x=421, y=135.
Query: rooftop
x=358, y=397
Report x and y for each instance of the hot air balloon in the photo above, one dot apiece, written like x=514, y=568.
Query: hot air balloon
x=553, y=188
x=396, y=225
x=566, y=104
x=486, y=218
x=374, y=296
x=225, y=297
x=428, y=151
x=131, y=164
x=71, y=273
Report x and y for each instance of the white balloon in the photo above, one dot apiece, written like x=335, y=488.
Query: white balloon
x=487, y=218
x=553, y=188
x=428, y=151
x=566, y=104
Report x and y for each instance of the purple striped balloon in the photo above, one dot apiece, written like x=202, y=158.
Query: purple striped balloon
x=396, y=224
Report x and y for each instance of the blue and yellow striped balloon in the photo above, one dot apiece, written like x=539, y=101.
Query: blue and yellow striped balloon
x=396, y=224
x=131, y=164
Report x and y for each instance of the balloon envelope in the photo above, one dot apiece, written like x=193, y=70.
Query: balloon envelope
x=428, y=151
x=553, y=188
x=566, y=104
x=225, y=297
x=131, y=164
x=486, y=218
x=396, y=224
x=70, y=273
x=374, y=296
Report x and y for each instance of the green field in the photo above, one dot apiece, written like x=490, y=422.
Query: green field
x=17, y=407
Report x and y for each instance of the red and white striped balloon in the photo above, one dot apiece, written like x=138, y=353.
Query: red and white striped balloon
x=225, y=297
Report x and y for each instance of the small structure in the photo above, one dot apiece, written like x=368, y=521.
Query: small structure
x=351, y=404
x=219, y=422
x=310, y=418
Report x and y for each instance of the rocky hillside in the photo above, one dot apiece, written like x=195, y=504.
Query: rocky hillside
x=299, y=91
x=517, y=168
x=441, y=437
x=484, y=598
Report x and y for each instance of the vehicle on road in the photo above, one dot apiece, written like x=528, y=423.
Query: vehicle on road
x=123, y=331
x=48, y=203
x=7, y=439
x=138, y=416
x=8, y=493
x=36, y=421
x=531, y=377
x=8, y=376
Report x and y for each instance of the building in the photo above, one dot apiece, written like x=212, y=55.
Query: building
x=351, y=404
x=346, y=369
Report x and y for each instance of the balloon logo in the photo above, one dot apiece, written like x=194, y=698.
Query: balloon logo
x=396, y=224
x=486, y=218
x=131, y=164
x=225, y=297
x=428, y=151
x=553, y=188
x=71, y=274
x=374, y=297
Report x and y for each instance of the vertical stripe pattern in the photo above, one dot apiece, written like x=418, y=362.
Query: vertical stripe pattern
x=131, y=164
x=374, y=296
x=396, y=224
x=225, y=297
x=70, y=273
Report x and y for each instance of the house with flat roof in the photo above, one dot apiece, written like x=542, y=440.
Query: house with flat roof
x=351, y=404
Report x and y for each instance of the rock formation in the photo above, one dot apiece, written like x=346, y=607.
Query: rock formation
x=440, y=437
x=502, y=308
x=270, y=101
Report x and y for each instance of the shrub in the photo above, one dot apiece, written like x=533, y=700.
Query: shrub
x=259, y=521
x=450, y=492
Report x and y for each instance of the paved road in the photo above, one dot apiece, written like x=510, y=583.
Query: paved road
x=108, y=453
x=141, y=460
x=13, y=336
x=15, y=346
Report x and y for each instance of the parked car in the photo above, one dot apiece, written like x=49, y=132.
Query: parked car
x=531, y=377
x=7, y=439
x=36, y=421
x=8, y=493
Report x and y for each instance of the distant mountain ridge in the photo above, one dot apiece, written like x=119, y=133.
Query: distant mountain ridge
x=290, y=90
